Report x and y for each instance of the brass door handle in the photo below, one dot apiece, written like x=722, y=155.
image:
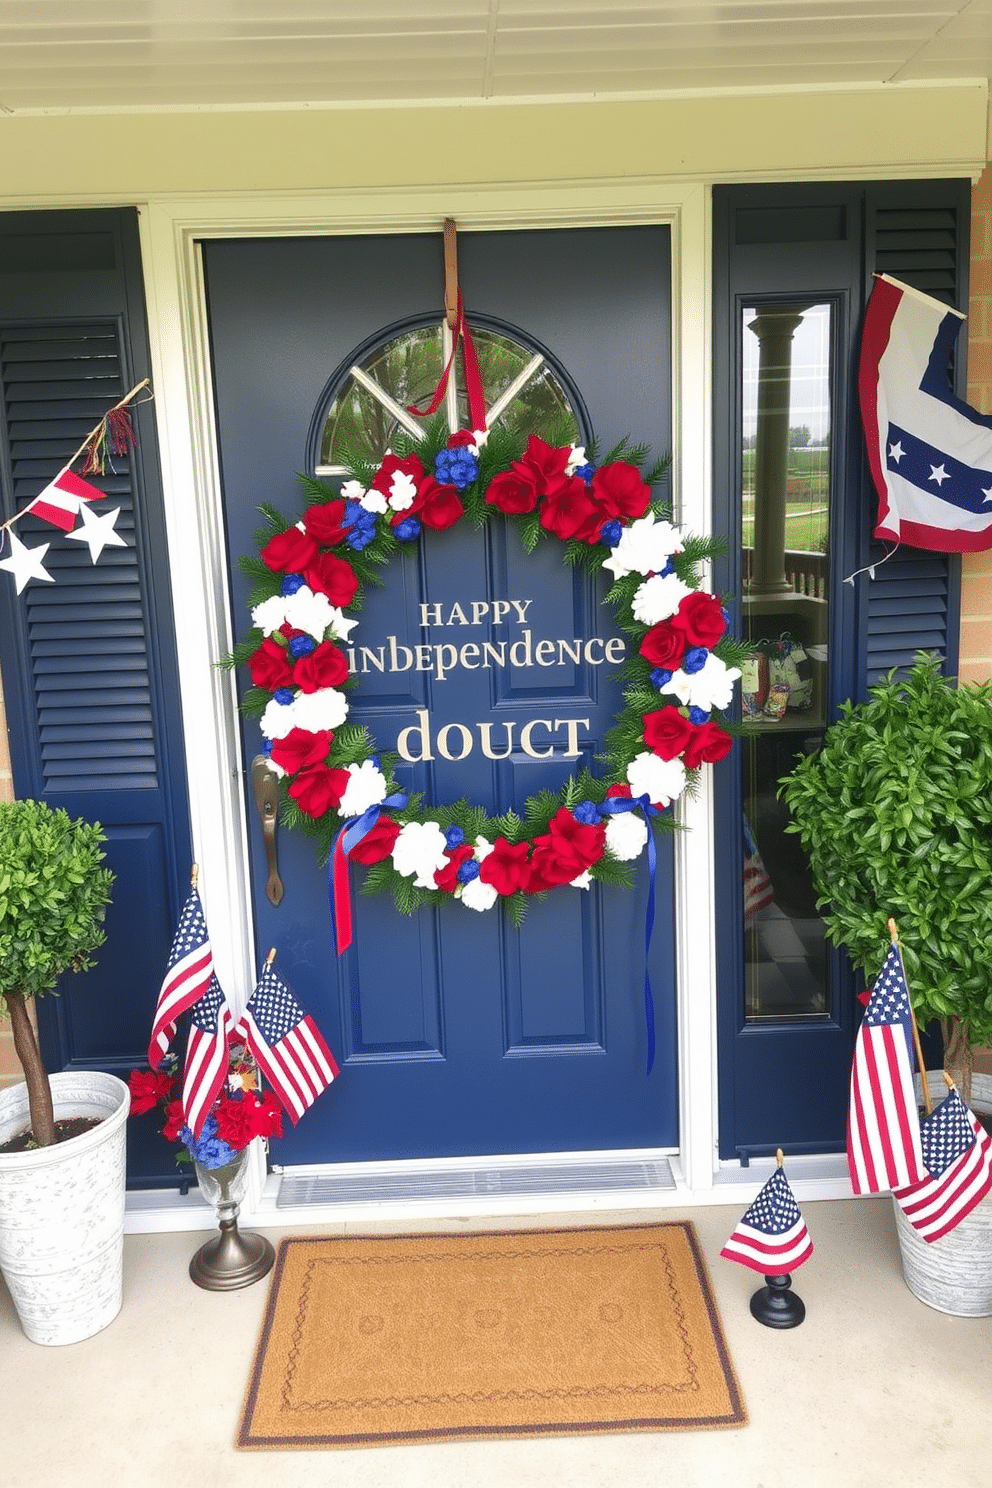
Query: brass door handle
x=265, y=784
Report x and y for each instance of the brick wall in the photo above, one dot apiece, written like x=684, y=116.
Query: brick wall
x=976, y=568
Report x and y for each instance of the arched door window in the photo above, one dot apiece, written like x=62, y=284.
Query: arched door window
x=368, y=398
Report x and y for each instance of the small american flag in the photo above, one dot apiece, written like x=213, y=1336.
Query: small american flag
x=187, y=977
x=287, y=1044
x=772, y=1236
x=957, y=1151
x=207, y=1057
x=883, y=1125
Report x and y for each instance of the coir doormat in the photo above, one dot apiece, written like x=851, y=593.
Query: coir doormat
x=373, y=1340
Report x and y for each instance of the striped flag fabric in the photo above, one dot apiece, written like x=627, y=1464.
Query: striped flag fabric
x=59, y=502
x=883, y=1124
x=957, y=1151
x=771, y=1237
x=288, y=1046
x=207, y=1055
x=930, y=453
x=187, y=977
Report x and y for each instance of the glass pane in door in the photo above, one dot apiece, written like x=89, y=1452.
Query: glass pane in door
x=785, y=527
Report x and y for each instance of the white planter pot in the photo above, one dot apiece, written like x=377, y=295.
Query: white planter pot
x=62, y=1211
x=954, y=1273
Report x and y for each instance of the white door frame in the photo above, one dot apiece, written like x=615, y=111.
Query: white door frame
x=171, y=231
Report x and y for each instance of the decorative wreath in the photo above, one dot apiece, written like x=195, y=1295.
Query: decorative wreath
x=340, y=788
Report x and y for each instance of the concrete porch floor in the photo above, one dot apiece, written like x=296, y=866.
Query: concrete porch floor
x=874, y=1388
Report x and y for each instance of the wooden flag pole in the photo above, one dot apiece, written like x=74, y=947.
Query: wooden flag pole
x=194, y=874
x=928, y=1103
x=73, y=458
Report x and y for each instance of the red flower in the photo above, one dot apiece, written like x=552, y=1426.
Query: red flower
x=175, y=1120
x=570, y=512
x=437, y=506
x=447, y=878
x=324, y=522
x=270, y=666
x=462, y=438
x=567, y=849
x=291, y=551
x=547, y=461
x=148, y=1088
x=667, y=732
x=513, y=491
x=614, y=791
x=505, y=868
x=409, y=465
x=620, y=490
x=709, y=743
x=377, y=842
x=330, y=575
x=700, y=617
x=300, y=748
x=317, y=789
x=240, y=1118
x=664, y=646
x=325, y=667
x=547, y=868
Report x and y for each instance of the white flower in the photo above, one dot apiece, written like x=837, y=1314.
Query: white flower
x=313, y=711
x=483, y=847
x=277, y=720
x=576, y=457
x=402, y=490
x=658, y=597
x=626, y=835
x=582, y=882
x=367, y=787
x=309, y=612
x=480, y=436
x=419, y=849
x=660, y=780
x=644, y=547
x=270, y=614
x=374, y=501
x=478, y=895
x=711, y=687
x=353, y=490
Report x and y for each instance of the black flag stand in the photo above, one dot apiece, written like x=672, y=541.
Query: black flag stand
x=776, y=1305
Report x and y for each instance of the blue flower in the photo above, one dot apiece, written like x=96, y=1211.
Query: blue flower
x=669, y=568
x=468, y=870
x=660, y=678
x=284, y=695
x=359, y=524
x=698, y=715
x=208, y=1149
x=407, y=530
x=694, y=659
x=292, y=582
x=611, y=533
x=301, y=645
x=586, y=471
x=455, y=467
x=454, y=837
x=587, y=812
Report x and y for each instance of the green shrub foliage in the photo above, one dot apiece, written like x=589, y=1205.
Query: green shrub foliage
x=53, y=895
x=895, y=815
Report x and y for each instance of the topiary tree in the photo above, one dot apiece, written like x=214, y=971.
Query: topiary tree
x=895, y=814
x=53, y=897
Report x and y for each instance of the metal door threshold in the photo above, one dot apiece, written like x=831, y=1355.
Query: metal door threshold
x=298, y=1188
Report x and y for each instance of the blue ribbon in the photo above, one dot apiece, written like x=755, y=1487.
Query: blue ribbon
x=351, y=834
x=613, y=806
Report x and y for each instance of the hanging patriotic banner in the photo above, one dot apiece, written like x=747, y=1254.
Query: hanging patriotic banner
x=930, y=453
x=59, y=502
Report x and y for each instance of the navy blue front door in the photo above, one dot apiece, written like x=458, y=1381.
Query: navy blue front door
x=457, y=1033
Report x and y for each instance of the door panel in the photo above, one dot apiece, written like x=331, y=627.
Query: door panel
x=457, y=1033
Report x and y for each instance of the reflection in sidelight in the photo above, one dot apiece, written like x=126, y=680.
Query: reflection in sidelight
x=785, y=524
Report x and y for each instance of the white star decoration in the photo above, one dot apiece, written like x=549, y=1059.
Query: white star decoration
x=896, y=451
x=939, y=474
x=98, y=532
x=986, y=494
x=26, y=563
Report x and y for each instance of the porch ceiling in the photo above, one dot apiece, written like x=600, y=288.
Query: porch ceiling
x=58, y=55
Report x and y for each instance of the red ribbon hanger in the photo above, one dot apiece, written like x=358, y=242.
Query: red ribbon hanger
x=454, y=310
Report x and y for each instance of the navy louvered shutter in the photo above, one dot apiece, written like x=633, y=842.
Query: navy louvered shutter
x=88, y=661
